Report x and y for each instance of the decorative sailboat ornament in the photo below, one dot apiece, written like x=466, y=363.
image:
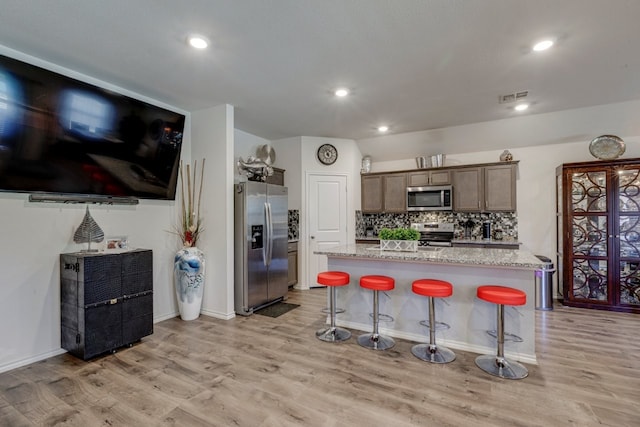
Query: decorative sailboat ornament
x=88, y=231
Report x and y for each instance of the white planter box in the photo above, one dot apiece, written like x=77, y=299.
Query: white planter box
x=399, y=245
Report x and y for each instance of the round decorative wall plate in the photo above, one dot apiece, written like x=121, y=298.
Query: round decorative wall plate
x=327, y=154
x=606, y=147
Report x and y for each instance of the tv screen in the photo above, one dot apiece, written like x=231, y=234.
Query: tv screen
x=59, y=135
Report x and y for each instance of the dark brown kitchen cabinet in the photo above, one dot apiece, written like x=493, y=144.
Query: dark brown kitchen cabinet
x=384, y=193
x=490, y=188
x=429, y=177
x=599, y=233
x=106, y=300
x=371, y=193
x=277, y=178
x=395, y=192
x=467, y=190
x=500, y=188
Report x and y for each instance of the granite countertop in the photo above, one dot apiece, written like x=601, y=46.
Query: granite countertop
x=513, y=258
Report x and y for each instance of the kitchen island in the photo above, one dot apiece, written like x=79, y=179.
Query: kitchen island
x=466, y=269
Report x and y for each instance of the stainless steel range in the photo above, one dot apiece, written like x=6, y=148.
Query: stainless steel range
x=434, y=233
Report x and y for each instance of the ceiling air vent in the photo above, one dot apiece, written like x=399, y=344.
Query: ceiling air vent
x=513, y=97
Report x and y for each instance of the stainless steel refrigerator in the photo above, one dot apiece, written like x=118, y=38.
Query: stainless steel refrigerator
x=261, y=231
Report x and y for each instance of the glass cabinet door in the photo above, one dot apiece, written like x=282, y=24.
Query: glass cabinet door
x=559, y=233
x=629, y=236
x=590, y=231
x=601, y=234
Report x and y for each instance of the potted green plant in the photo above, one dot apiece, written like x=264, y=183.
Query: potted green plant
x=399, y=239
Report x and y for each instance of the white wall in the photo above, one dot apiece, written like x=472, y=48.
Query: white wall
x=34, y=234
x=581, y=124
x=348, y=163
x=288, y=157
x=562, y=137
x=213, y=137
x=245, y=145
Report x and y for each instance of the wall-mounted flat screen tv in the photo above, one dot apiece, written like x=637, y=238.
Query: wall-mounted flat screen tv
x=59, y=136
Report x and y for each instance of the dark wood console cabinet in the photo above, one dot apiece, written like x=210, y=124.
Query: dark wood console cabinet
x=599, y=234
x=106, y=300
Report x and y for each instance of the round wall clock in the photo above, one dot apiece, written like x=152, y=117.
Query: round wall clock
x=327, y=154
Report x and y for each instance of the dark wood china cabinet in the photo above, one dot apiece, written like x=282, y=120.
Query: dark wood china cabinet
x=599, y=234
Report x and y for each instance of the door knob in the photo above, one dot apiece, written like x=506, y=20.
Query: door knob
x=313, y=237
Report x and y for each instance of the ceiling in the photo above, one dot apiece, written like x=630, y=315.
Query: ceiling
x=411, y=64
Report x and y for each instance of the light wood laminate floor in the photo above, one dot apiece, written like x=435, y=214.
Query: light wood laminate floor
x=260, y=371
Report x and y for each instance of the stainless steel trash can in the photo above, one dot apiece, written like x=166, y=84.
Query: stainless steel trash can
x=544, y=284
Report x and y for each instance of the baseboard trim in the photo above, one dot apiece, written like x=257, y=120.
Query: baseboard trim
x=30, y=360
x=219, y=315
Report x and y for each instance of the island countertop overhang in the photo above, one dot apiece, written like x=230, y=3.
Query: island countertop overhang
x=487, y=257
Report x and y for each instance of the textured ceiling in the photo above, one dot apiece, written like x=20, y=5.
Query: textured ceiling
x=411, y=64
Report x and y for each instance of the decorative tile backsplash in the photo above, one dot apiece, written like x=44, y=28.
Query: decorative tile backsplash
x=506, y=221
x=294, y=224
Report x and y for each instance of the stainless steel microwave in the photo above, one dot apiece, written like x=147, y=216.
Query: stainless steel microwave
x=434, y=198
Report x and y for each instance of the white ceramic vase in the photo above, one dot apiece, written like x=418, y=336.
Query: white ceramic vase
x=188, y=275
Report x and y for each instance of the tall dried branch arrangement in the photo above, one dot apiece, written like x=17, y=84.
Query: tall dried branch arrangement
x=190, y=222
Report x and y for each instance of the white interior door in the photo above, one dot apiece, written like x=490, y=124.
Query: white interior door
x=327, y=208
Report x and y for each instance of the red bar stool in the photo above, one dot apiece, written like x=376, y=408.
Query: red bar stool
x=332, y=279
x=433, y=288
x=498, y=365
x=374, y=340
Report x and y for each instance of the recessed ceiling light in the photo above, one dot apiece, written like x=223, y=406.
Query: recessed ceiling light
x=198, y=42
x=341, y=92
x=521, y=107
x=383, y=129
x=542, y=45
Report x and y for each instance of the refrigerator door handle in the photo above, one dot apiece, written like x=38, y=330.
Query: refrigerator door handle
x=269, y=238
x=265, y=241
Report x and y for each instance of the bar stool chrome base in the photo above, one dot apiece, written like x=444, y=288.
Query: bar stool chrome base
x=433, y=353
x=376, y=341
x=501, y=367
x=507, y=336
x=383, y=317
x=440, y=326
x=327, y=310
x=333, y=334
